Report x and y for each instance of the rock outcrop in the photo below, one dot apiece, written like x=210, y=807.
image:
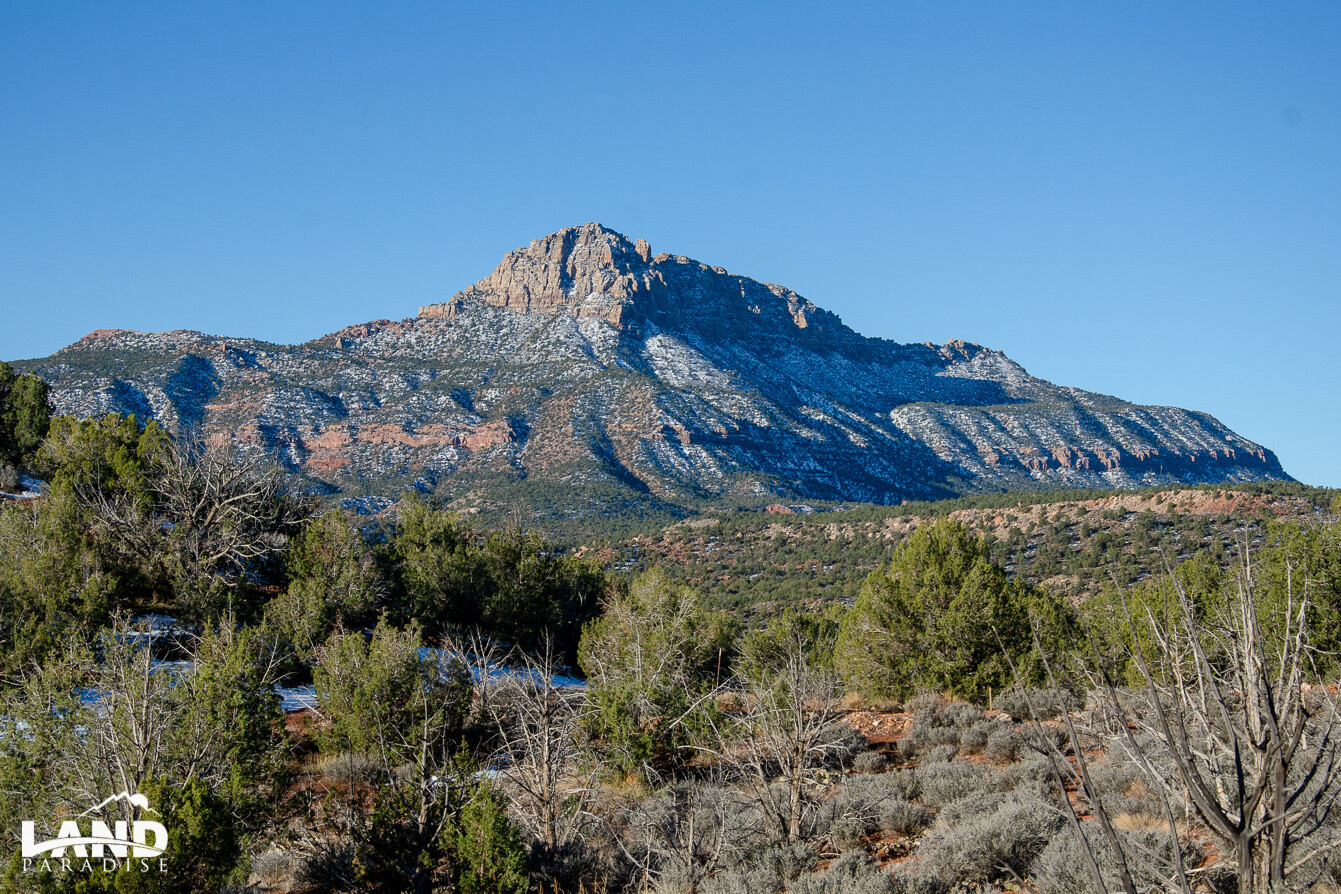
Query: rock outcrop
x=590, y=271
x=594, y=376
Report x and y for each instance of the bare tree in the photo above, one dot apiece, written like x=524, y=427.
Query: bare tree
x=784, y=738
x=550, y=780
x=208, y=515
x=689, y=831
x=1227, y=731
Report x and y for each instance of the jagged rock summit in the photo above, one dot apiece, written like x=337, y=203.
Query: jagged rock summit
x=592, y=271
x=588, y=376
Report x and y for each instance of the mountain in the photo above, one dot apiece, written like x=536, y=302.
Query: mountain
x=593, y=377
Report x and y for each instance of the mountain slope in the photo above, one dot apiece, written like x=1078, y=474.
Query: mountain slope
x=584, y=369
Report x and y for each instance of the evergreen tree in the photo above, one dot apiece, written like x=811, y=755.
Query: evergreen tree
x=931, y=619
x=25, y=415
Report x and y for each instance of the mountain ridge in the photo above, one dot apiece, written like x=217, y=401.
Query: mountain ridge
x=596, y=376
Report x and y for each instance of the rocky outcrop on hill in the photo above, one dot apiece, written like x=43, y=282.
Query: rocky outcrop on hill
x=594, y=376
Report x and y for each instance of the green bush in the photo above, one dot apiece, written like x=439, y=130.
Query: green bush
x=25, y=415
x=385, y=694
x=649, y=660
x=490, y=855
x=931, y=620
x=513, y=586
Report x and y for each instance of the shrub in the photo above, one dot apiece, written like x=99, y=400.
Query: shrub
x=936, y=724
x=982, y=839
x=648, y=659
x=851, y=873
x=275, y=869
x=941, y=754
x=944, y=783
x=490, y=856
x=869, y=762
x=513, y=586
x=1048, y=703
x=1003, y=744
x=922, y=738
x=349, y=769
x=1061, y=866
x=1039, y=736
x=959, y=714
x=901, y=817
x=25, y=414
x=388, y=682
x=906, y=783
x=974, y=739
x=877, y=802
x=925, y=701
x=1123, y=788
x=1034, y=777
x=764, y=872
x=844, y=744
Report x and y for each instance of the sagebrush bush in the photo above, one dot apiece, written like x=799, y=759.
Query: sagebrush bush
x=941, y=754
x=1038, y=736
x=878, y=802
x=1003, y=744
x=960, y=714
x=767, y=871
x=941, y=784
x=846, y=832
x=912, y=877
x=906, y=782
x=924, y=738
x=1034, y=777
x=974, y=739
x=851, y=873
x=985, y=838
x=936, y=724
x=578, y=865
x=275, y=869
x=1048, y=703
x=924, y=702
x=330, y=864
x=844, y=745
x=1123, y=788
x=1061, y=866
x=869, y=762
x=350, y=768
x=901, y=817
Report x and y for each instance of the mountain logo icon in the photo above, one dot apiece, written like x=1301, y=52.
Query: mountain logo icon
x=136, y=800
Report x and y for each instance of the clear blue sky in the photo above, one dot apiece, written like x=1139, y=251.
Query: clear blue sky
x=1139, y=199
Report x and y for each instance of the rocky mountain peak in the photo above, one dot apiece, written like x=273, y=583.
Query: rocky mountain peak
x=589, y=270
x=593, y=271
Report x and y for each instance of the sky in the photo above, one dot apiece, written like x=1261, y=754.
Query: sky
x=1141, y=199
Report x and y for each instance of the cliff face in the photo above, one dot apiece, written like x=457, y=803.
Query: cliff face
x=597, y=375
x=589, y=271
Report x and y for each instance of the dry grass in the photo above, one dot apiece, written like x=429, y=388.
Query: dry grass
x=1139, y=822
x=274, y=870
x=344, y=768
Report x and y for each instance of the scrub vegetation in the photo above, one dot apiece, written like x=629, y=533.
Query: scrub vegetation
x=1113, y=699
